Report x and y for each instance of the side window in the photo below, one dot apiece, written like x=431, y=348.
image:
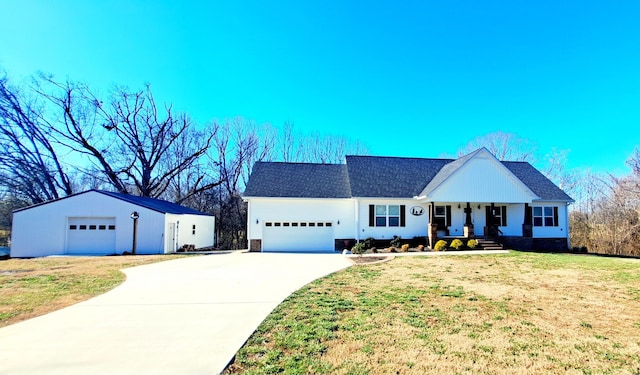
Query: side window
x=381, y=216
x=394, y=216
x=440, y=217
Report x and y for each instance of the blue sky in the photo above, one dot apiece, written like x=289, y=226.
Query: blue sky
x=405, y=78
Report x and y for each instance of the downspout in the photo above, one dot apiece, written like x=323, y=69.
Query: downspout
x=566, y=219
x=357, y=226
x=248, y=224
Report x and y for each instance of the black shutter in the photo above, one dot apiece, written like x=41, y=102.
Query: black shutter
x=403, y=215
x=372, y=215
x=489, y=217
x=528, y=214
x=448, y=216
x=504, y=216
x=555, y=216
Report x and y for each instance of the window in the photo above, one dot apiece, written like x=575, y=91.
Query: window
x=328, y=224
x=102, y=227
x=497, y=216
x=278, y=224
x=285, y=224
x=545, y=216
x=112, y=227
x=73, y=227
x=83, y=227
x=294, y=224
x=440, y=217
x=193, y=229
x=381, y=216
x=268, y=224
x=394, y=216
x=92, y=227
x=303, y=224
x=312, y=224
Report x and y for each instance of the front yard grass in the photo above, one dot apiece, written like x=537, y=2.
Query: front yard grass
x=32, y=287
x=521, y=313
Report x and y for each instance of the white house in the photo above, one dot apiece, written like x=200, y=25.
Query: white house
x=320, y=207
x=98, y=222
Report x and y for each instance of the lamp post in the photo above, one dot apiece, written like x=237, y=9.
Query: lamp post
x=135, y=216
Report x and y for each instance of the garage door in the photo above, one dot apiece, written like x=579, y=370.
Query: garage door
x=297, y=236
x=91, y=235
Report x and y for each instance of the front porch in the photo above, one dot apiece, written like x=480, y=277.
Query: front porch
x=488, y=221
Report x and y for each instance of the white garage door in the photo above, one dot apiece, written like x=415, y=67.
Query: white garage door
x=91, y=235
x=297, y=236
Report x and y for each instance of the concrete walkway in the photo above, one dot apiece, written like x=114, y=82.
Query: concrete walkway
x=186, y=316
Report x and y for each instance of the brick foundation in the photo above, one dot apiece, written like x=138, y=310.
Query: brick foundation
x=255, y=246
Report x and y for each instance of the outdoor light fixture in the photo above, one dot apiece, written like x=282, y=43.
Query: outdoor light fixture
x=135, y=215
x=257, y=222
x=338, y=222
x=458, y=205
x=478, y=206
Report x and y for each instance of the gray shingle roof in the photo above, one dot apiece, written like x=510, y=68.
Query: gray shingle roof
x=298, y=180
x=391, y=177
x=376, y=176
x=536, y=181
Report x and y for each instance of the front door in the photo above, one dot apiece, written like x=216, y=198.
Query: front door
x=479, y=220
x=170, y=246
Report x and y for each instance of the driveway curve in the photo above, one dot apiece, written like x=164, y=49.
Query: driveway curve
x=185, y=316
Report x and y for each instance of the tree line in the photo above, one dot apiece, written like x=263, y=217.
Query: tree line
x=60, y=137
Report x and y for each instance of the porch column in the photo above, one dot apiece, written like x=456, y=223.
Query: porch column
x=468, y=225
x=433, y=228
x=527, y=226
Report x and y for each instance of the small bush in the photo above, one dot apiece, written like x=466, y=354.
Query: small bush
x=456, y=244
x=395, y=242
x=359, y=248
x=420, y=247
x=472, y=244
x=404, y=248
x=370, y=243
x=374, y=250
x=440, y=245
x=392, y=249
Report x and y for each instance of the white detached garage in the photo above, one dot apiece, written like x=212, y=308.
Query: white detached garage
x=98, y=222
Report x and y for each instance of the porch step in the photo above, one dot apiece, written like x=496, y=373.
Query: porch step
x=489, y=244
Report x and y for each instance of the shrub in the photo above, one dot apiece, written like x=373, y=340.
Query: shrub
x=404, y=248
x=420, y=247
x=359, y=248
x=374, y=250
x=392, y=249
x=440, y=245
x=456, y=244
x=472, y=244
x=370, y=243
x=395, y=242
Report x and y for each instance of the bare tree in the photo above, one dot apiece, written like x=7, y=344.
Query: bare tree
x=30, y=165
x=557, y=171
x=138, y=148
x=505, y=146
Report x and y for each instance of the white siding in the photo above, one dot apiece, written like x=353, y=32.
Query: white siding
x=263, y=210
x=204, y=230
x=561, y=230
x=482, y=179
x=43, y=230
x=414, y=226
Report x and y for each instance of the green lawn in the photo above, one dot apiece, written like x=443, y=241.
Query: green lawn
x=32, y=287
x=523, y=313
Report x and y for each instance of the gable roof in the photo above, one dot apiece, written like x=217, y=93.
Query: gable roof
x=390, y=177
x=150, y=203
x=378, y=177
x=537, y=182
x=158, y=205
x=298, y=180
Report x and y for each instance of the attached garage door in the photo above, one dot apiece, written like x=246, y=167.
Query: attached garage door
x=297, y=236
x=91, y=235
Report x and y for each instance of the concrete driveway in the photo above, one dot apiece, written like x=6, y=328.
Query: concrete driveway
x=185, y=316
